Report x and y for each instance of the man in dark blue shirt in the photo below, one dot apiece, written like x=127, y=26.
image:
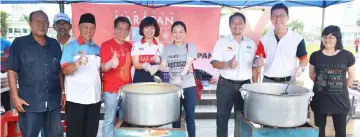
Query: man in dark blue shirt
x=35, y=60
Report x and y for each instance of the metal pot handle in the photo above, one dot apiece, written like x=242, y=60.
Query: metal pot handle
x=243, y=93
x=182, y=94
x=311, y=96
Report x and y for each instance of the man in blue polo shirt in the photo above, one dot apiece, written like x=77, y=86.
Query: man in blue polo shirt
x=80, y=63
x=34, y=61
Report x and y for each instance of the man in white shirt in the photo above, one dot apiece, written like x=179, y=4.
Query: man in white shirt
x=80, y=62
x=62, y=25
x=233, y=57
x=282, y=48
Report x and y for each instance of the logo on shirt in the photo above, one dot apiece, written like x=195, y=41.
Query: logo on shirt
x=141, y=48
x=248, y=47
x=80, y=52
x=229, y=48
x=146, y=58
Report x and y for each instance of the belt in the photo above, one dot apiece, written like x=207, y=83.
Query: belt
x=222, y=79
x=279, y=79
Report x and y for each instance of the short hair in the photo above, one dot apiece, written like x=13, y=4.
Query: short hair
x=122, y=19
x=32, y=13
x=147, y=22
x=335, y=31
x=178, y=23
x=280, y=6
x=237, y=14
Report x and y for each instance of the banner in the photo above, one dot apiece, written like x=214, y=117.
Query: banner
x=202, y=25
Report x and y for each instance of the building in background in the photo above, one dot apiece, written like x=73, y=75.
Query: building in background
x=18, y=25
x=351, y=16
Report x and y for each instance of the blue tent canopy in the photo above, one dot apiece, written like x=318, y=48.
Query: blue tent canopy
x=240, y=4
x=162, y=3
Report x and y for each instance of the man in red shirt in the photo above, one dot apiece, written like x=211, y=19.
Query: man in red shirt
x=116, y=66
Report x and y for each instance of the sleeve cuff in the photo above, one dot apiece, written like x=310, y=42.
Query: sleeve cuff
x=303, y=57
x=63, y=65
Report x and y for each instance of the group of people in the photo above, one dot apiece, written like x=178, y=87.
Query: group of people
x=76, y=74
x=283, y=56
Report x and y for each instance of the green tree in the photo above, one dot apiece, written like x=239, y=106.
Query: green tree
x=3, y=20
x=297, y=25
x=26, y=17
x=265, y=31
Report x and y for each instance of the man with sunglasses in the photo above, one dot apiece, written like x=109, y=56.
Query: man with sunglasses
x=281, y=48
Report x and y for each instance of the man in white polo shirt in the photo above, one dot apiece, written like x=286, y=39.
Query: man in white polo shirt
x=281, y=48
x=62, y=25
x=233, y=57
x=80, y=62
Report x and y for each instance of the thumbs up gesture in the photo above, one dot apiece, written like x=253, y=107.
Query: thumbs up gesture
x=114, y=60
x=260, y=61
x=83, y=60
x=232, y=63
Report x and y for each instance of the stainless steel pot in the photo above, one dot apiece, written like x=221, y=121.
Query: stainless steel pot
x=151, y=104
x=264, y=104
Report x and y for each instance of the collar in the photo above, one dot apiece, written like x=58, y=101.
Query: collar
x=154, y=41
x=113, y=39
x=81, y=41
x=32, y=39
x=231, y=37
x=288, y=31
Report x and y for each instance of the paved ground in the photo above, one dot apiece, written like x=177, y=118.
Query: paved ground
x=207, y=128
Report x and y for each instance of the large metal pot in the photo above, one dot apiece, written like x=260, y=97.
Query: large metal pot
x=265, y=104
x=151, y=104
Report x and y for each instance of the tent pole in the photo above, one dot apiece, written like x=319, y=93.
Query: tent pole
x=323, y=19
x=61, y=6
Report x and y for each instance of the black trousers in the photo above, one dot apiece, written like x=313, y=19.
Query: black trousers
x=339, y=121
x=82, y=120
x=227, y=96
x=5, y=100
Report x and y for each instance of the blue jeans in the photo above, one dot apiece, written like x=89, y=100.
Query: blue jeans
x=189, y=104
x=111, y=102
x=32, y=122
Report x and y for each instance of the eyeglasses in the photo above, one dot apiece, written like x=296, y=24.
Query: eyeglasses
x=281, y=16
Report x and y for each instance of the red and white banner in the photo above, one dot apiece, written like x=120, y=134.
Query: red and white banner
x=202, y=25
